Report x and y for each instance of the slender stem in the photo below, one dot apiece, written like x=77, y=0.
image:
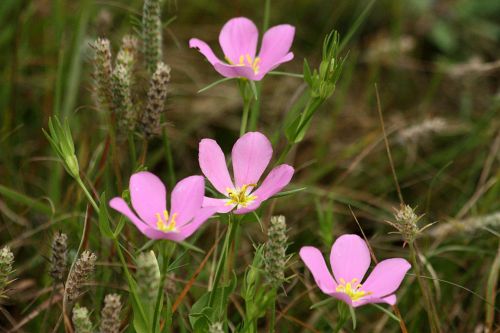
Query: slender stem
x=133, y=151
x=244, y=117
x=86, y=227
x=87, y=194
x=429, y=305
x=144, y=152
x=267, y=14
x=340, y=324
x=129, y=278
x=46, y=315
x=230, y=233
x=255, y=109
x=273, y=310
x=167, y=251
x=284, y=153
x=170, y=160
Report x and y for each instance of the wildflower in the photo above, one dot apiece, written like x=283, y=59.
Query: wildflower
x=80, y=273
x=238, y=40
x=81, y=320
x=250, y=156
x=350, y=259
x=148, y=195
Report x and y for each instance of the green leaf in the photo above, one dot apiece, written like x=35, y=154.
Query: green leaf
x=25, y=200
x=307, y=74
x=254, y=89
x=322, y=303
x=213, y=84
x=389, y=313
x=140, y=325
x=353, y=317
x=289, y=192
x=119, y=227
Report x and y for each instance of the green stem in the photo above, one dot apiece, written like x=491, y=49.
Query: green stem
x=429, y=305
x=167, y=251
x=130, y=280
x=340, y=324
x=255, y=109
x=273, y=310
x=87, y=194
x=244, y=117
x=170, y=160
x=133, y=151
x=222, y=263
x=284, y=153
x=267, y=14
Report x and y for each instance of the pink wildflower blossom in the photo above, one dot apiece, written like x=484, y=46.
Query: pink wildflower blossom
x=251, y=155
x=349, y=260
x=148, y=196
x=238, y=40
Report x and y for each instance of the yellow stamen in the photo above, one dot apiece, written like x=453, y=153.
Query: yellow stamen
x=164, y=224
x=352, y=289
x=252, y=63
x=240, y=197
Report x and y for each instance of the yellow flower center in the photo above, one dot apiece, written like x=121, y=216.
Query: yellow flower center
x=240, y=197
x=352, y=289
x=247, y=60
x=163, y=224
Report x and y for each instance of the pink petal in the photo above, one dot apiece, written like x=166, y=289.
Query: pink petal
x=187, y=197
x=368, y=300
x=269, y=67
x=156, y=234
x=314, y=260
x=239, y=37
x=343, y=297
x=276, y=180
x=276, y=45
x=204, y=49
x=220, y=204
x=235, y=71
x=350, y=258
x=251, y=155
x=213, y=165
x=188, y=229
x=148, y=196
x=386, y=277
x=121, y=206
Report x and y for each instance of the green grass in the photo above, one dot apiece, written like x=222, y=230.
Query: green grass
x=417, y=53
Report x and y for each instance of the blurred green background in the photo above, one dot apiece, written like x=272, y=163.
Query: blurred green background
x=437, y=69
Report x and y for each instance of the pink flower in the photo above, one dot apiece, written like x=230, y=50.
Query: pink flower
x=238, y=40
x=350, y=259
x=148, y=196
x=250, y=156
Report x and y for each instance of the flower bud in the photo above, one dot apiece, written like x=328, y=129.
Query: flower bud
x=81, y=320
x=275, y=250
x=148, y=275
